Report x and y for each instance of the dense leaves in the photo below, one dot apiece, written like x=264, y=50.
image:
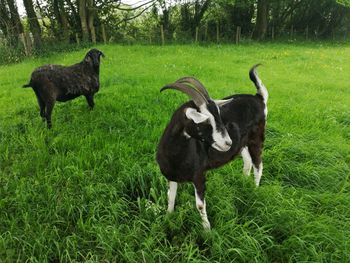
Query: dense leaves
x=182, y=21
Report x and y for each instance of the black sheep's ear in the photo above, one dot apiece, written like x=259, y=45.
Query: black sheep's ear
x=88, y=58
x=101, y=54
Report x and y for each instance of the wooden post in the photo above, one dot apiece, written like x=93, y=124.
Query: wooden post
x=206, y=32
x=291, y=32
x=197, y=29
x=217, y=32
x=93, y=34
x=273, y=33
x=28, y=41
x=77, y=38
x=316, y=32
x=23, y=40
x=162, y=34
x=238, y=35
x=307, y=32
x=104, y=34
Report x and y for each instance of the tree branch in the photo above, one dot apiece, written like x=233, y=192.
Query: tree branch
x=134, y=8
x=135, y=16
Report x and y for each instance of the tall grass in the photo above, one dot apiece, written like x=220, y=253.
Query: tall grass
x=90, y=189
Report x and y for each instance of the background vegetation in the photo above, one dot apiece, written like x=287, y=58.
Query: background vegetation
x=90, y=189
x=60, y=23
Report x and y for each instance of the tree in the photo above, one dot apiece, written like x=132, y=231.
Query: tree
x=61, y=18
x=83, y=19
x=10, y=23
x=192, y=14
x=33, y=23
x=5, y=20
x=261, y=20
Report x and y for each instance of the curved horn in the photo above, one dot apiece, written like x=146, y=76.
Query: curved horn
x=197, y=84
x=197, y=97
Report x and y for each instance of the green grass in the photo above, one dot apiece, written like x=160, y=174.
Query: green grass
x=90, y=189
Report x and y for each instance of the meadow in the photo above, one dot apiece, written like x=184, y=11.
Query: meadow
x=90, y=190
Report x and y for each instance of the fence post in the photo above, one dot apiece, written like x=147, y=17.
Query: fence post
x=197, y=29
x=162, y=34
x=206, y=32
x=238, y=35
x=28, y=41
x=23, y=40
x=217, y=32
x=93, y=34
x=77, y=38
x=273, y=33
x=104, y=33
x=291, y=32
x=307, y=32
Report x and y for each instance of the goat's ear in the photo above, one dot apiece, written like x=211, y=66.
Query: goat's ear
x=196, y=116
x=222, y=102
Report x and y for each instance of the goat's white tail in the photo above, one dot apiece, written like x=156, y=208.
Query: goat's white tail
x=258, y=83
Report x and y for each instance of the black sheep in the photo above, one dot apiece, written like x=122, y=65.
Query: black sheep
x=53, y=83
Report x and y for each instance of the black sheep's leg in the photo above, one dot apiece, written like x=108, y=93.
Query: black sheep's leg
x=41, y=105
x=49, y=107
x=90, y=101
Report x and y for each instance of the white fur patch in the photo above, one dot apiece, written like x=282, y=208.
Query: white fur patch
x=220, y=141
x=263, y=92
x=187, y=135
x=258, y=173
x=196, y=116
x=201, y=207
x=247, y=161
x=222, y=102
x=171, y=195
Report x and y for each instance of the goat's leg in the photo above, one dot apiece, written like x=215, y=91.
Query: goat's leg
x=199, y=188
x=49, y=107
x=247, y=161
x=90, y=100
x=255, y=151
x=171, y=195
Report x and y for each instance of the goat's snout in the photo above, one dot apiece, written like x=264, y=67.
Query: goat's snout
x=223, y=146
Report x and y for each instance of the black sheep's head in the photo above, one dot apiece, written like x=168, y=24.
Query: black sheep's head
x=93, y=57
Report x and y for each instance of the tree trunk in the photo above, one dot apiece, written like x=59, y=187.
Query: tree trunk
x=16, y=21
x=74, y=19
x=261, y=20
x=5, y=20
x=61, y=18
x=33, y=23
x=83, y=20
x=10, y=22
x=91, y=16
x=64, y=21
x=199, y=10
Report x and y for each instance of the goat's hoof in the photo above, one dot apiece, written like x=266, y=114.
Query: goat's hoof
x=206, y=226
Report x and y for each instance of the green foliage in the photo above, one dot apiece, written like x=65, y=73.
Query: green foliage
x=90, y=189
x=344, y=2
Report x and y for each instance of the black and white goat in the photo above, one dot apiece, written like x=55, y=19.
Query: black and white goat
x=53, y=83
x=204, y=134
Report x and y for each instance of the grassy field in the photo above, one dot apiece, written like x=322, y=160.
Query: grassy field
x=90, y=189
